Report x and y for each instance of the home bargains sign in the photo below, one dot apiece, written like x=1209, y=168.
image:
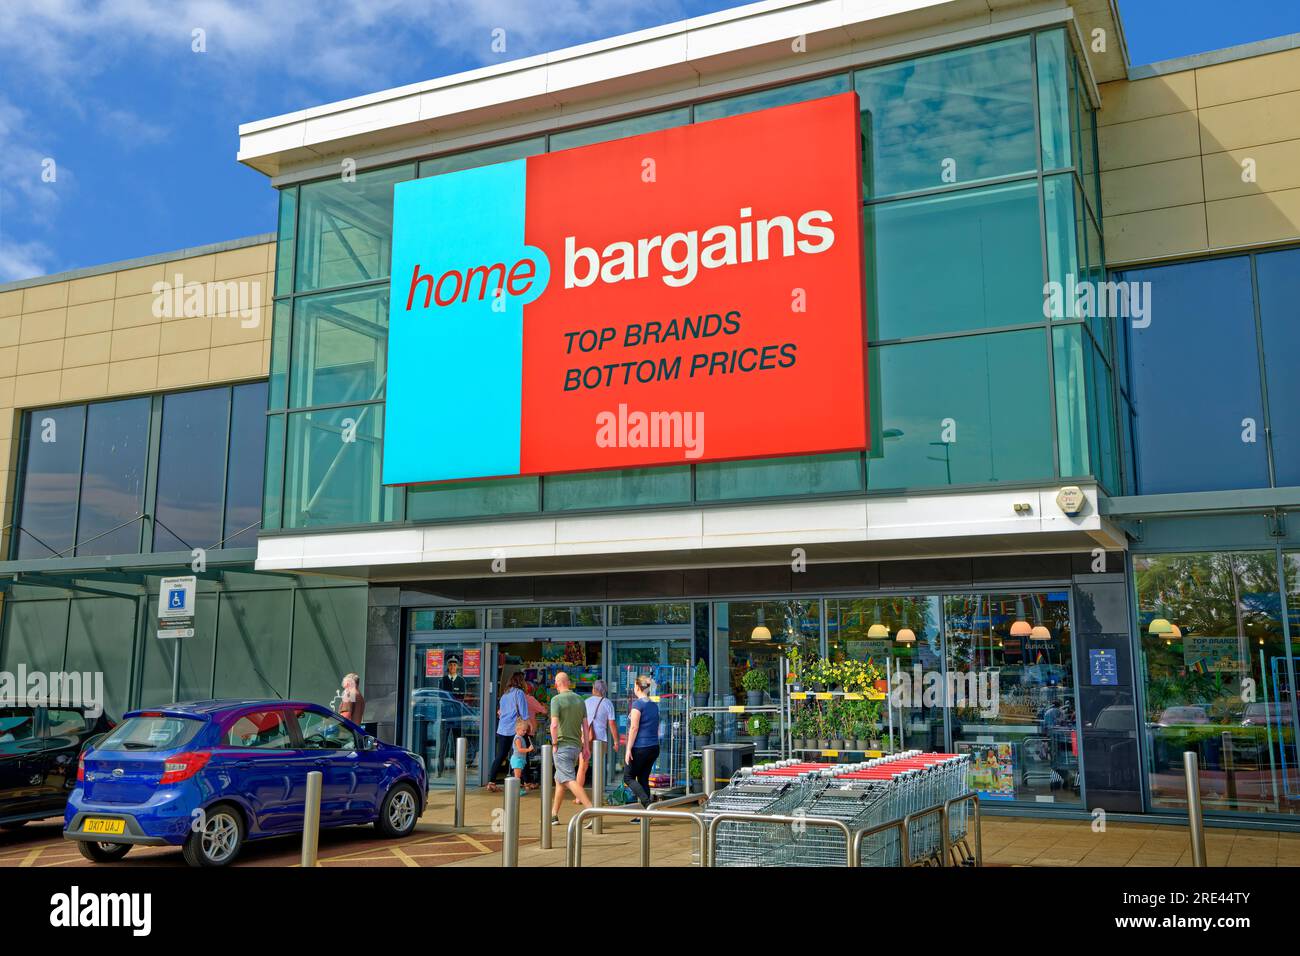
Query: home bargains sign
x=693, y=294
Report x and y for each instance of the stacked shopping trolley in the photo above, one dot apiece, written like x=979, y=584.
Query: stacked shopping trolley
x=862, y=796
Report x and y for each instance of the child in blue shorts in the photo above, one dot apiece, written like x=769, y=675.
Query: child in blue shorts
x=522, y=748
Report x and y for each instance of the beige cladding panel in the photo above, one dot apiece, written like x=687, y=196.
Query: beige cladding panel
x=1202, y=160
x=107, y=335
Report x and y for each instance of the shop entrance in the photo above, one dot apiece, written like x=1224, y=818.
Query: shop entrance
x=446, y=679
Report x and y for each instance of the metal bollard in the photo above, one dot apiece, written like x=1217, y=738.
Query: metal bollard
x=510, y=824
x=597, y=782
x=462, y=771
x=1195, y=821
x=710, y=771
x=547, y=792
x=311, y=820
x=645, y=841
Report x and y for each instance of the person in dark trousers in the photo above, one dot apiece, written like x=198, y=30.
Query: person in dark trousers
x=453, y=684
x=512, y=707
x=642, y=742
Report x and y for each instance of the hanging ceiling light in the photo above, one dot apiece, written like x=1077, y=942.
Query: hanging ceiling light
x=906, y=636
x=760, y=631
x=1040, y=633
x=1020, y=627
x=877, y=631
x=1174, y=632
x=1159, y=626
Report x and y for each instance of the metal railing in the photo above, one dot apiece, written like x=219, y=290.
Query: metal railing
x=574, y=849
x=851, y=858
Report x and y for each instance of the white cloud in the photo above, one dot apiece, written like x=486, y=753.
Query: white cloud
x=23, y=260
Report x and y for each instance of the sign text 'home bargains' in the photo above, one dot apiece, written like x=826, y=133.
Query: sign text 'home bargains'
x=692, y=294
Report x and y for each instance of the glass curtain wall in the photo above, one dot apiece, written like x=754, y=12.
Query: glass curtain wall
x=1219, y=677
x=989, y=674
x=980, y=169
x=88, y=474
x=1229, y=319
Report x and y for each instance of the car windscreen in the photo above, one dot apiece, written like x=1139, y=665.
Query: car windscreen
x=17, y=724
x=151, y=733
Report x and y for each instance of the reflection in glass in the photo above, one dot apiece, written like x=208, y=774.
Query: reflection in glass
x=466, y=499
x=1013, y=694
x=618, y=129
x=970, y=410
x=112, y=477
x=191, y=470
x=469, y=159
x=1279, y=291
x=983, y=242
x=445, y=703
x=244, y=466
x=778, y=96
x=629, y=487
x=1215, y=668
x=959, y=116
x=48, y=484
x=769, y=477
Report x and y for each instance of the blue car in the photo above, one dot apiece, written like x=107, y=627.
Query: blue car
x=207, y=776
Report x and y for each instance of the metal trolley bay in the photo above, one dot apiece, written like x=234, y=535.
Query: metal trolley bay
x=914, y=791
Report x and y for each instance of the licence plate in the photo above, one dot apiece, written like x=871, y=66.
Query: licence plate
x=103, y=826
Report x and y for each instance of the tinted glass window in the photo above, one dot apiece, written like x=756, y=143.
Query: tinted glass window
x=765, y=99
x=959, y=116
x=17, y=724
x=51, y=471
x=112, y=477
x=345, y=228
x=767, y=477
x=620, y=128
x=984, y=242
x=340, y=347
x=615, y=489
x=262, y=730
x=244, y=466
x=191, y=469
x=1195, y=380
x=463, y=499
x=970, y=410
x=62, y=723
x=501, y=153
x=151, y=733
x=1279, y=308
x=333, y=470
x=323, y=732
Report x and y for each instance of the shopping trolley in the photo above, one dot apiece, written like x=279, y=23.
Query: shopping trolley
x=774, y=789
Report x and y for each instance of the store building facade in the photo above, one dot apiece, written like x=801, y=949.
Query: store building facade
x=1034, y=463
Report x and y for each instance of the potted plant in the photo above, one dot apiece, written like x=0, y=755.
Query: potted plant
x=702, y=684
x=835, y=718
x=695, y=771
x=755, y=683
x=861, y=737
x=701, y=730
x=758, y=727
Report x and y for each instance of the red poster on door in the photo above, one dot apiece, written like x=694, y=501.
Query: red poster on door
x=472, y=668
x=433, y=663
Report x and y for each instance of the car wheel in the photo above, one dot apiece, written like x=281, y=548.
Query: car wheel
x=13, y=825
x=218, y=841
x=103, y=852
x=399, y=811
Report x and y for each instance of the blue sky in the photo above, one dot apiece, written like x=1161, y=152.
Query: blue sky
x=142, y=130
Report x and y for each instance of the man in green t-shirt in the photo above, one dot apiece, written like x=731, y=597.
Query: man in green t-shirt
x=571, y=735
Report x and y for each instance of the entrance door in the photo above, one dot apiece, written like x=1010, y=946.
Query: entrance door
x=446, y=698
x=667, y=660
x=535, y=659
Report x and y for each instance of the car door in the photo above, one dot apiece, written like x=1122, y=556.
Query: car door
x=267, y=770
x=64, y=730
x=22, y=763
x=351, y=776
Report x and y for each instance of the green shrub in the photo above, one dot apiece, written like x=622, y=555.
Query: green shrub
x=759, y=725
x=702, y=683
x=755, y=679
x=702, y=725
x=696, y=771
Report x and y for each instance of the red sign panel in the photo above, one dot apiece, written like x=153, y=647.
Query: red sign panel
x=472, y=668
x=686, y=295
x=433, y=663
